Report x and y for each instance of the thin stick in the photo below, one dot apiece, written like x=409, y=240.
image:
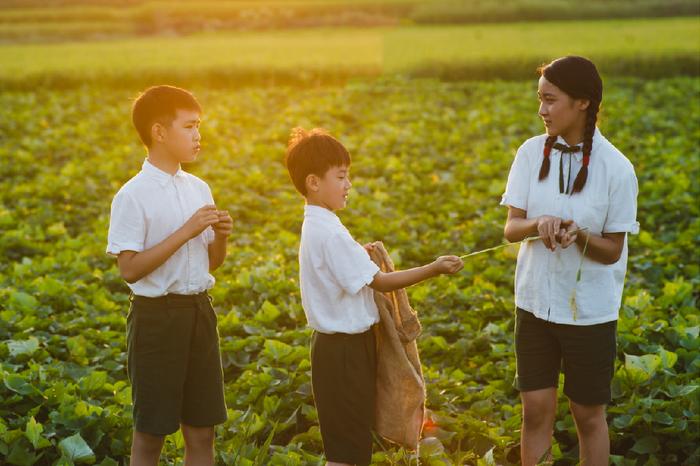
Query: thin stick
x=500, y=246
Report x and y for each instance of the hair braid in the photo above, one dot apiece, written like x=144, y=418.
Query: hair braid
x=544, y=168
x=591, y=118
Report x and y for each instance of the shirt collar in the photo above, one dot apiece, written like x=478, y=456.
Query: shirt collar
x=578, y=156
x=159, y=175
x=314, y=211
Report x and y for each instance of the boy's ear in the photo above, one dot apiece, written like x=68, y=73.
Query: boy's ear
x=312, y=182
x=157, y=132
x=583, y=104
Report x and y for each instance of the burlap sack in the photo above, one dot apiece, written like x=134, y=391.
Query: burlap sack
x=400, y=407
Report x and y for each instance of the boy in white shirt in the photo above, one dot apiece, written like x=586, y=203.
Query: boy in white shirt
x=337, y=277
x=168, y=236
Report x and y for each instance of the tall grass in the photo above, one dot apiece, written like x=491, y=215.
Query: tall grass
x=75, y=19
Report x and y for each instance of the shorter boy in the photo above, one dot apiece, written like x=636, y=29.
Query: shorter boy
x=337, y=277
x=168, y=236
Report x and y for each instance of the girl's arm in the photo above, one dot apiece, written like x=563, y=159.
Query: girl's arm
x=605, y=248
x=518, y=227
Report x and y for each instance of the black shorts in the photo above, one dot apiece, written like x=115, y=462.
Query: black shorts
x=585, y=353
x=174, y=363
x=343, y=377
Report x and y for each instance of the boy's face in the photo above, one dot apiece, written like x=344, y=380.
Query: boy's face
x=181, y=138
x=332, y=188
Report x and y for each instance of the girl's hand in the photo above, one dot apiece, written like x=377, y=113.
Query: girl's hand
x=568, y=233
x=548, y=227
x=448, y=264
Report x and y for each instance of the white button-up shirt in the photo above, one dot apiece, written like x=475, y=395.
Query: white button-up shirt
x=150, y=207
x=545, y=280
x=334, y=271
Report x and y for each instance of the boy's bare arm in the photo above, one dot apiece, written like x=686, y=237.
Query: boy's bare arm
x=133, y=266
x=391, y=281
x=217, y=249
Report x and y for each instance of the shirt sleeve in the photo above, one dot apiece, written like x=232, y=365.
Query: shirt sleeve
x=518, y=186
x=622, y=210
x=127, y=225
x=209, y=234
x=348, y=262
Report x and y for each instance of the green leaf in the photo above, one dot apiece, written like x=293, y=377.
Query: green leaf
x=33, y=432
x=675, y=391
x=19, y=384
x=94, y=381
x=668, y=358
x=22, y=301
x=647, y=363
x=622, y=421
x=662, y=418
x=431, y=446
x=646, y=445
x=108, y=462
x=19, y=347
x=76, y=449
x=19, y=455
x=268, y=312
x=277, y=349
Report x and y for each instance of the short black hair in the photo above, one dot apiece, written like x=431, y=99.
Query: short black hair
x=159, y=104
x=313, y=151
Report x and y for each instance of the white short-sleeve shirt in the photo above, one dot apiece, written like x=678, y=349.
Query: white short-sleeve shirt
x=334, y=271
x=150, y=207
x=545, y=280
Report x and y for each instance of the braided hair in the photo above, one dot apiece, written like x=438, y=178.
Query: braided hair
x=578, y=78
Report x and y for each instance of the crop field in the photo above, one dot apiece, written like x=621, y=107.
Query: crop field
x=432, y=98
x=430, y=161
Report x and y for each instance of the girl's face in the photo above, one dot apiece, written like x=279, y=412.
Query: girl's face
x=560, y=113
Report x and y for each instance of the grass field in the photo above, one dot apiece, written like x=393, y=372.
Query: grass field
x=33, y=21
x=648, y=48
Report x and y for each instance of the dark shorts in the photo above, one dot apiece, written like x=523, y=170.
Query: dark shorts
x=343, y=377
x=174, y=363
x=584, y=353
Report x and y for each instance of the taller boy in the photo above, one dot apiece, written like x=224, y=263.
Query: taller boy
x=168, y=236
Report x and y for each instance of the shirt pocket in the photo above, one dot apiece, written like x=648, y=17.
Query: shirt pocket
x=592, y=213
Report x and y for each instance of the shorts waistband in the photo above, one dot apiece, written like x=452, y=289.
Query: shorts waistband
x=345, y=336
x=171, y=298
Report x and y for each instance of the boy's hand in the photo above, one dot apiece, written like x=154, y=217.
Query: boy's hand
x=200, y=220
x=447, y=265
x=224, y=226
x=369, y=247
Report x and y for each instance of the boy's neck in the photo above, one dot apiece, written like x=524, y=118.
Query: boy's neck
x=318, y=203
x=162, y=160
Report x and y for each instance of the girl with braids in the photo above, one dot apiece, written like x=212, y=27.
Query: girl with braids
x=563, y=322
